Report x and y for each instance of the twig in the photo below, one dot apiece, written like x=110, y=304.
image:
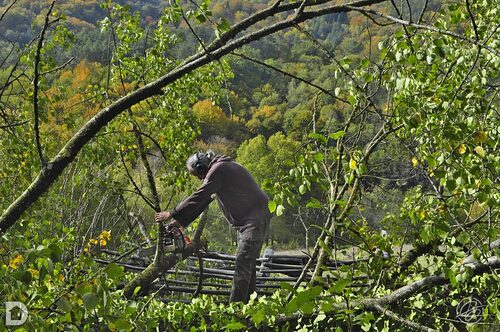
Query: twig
x=13, y=125
x=36, y=77
x=474, y=25
x=138, y=190
x=58, y=68
x=290, y=75
x=422, y=12
x=414, y=326
x=7, y=9
x=149, y=301
x=200, y=275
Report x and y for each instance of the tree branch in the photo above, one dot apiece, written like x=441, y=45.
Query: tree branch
x=163, y=262
x=7, y=9
x=290, y=75
x=36, y=76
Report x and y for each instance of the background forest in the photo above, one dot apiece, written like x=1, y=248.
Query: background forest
x=373, y=127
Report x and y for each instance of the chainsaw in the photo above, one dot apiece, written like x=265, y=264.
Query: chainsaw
x=174, y=241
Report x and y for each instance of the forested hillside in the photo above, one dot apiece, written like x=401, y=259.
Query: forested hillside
x=372, y=126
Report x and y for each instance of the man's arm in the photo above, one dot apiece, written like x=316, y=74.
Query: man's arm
x=187, y=211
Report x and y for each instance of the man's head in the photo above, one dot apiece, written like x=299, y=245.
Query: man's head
x=197, y=164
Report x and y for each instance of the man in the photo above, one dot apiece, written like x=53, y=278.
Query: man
x=244, y=205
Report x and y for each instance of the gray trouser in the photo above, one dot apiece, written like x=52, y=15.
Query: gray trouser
x=249, y=245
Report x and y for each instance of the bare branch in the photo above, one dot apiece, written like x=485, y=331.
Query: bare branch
x=474, y=25
x=11, y=125
x=7, y=9
x=422, y=12
x=289, y=75
x=138, y=190
x=36, y=76
x=58, y=68
x=414, y=326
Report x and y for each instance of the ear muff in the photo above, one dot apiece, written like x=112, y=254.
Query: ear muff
x=198, y=165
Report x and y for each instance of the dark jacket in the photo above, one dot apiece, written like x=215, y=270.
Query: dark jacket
x=241, y=200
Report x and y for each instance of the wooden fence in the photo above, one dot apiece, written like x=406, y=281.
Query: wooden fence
x=212, y=272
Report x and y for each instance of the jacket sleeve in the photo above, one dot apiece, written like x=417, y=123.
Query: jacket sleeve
x=190, y=208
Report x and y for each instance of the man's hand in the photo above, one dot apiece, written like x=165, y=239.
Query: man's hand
x=162, y=216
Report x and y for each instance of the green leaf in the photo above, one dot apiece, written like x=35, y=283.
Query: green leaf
x=302, y=189
x=223, y=25
x=136, y=290
x=22, y=275
x=337, y=135
x=84, y=289
x=90, y=301
x=314, y=203
x=287, y=286
x=64, y=304
x=292, y=306
x=272, y=206
x=352, y=100
x=463, y=238
x=279, y=210
x=307, y=308
x=201, y=18
x=318, y=137
x=234, y=326
x=114, y=271
x=309, y=294
x=339, y=286
x=259, y=316
x=120, y=325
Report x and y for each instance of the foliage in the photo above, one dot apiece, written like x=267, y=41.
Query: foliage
x=404, y=142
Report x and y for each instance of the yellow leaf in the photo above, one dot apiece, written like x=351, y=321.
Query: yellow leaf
x=353, y=164
x=414, y=161
x=103, y=243
x=422, y=214
x=461, y=149
x=480, y=151
x=16, y=261
x=105, y=235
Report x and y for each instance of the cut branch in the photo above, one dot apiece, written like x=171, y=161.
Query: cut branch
x=164, y=262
